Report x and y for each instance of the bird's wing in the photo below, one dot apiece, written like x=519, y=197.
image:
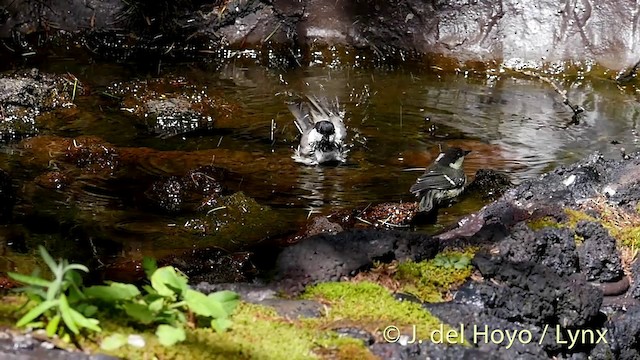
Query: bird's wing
x=435, y=180
x=302, y=119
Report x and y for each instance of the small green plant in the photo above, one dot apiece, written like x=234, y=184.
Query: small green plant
x=167, y=302
x=456, y=261
x=61, y=307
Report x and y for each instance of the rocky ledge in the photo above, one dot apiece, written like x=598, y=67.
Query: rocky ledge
x=553, y=273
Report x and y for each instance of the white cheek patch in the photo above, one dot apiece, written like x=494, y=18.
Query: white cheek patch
x=458, y=164
x=314, y=136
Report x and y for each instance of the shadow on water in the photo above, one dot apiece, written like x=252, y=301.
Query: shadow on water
x=397, y=119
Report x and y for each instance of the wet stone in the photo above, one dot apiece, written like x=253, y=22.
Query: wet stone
x=622, y=338
x=327, y=257
x=634, y=291
x=533, y=293
x=213, y=265
x=489, y=184
x=169, y=107
x=599, y=257
x=27, y=94
x=198, y=190
x=551, y=247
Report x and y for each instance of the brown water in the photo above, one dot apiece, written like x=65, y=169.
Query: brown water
x=397, y=118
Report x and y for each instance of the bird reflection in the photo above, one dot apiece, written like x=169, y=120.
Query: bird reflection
x=322, y=186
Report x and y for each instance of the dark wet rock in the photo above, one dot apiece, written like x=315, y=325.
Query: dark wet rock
x=92, y=154
x=26, y=95
x=621, y=339
x=565, y=187
x=213, y=265
x=355, y=333
x=535, y=294
x=489, y=184
x=7, y=197
x=53, y=180
x=634, y=291
x=169, y=107
x=474, y=322
x=428, y=350
x=327, y=257
x=25, y=347
x=599, y=257
x=198, y=189
x=384, y=215
x=554, y=248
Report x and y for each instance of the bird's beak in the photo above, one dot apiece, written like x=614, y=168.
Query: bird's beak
x=466, y=152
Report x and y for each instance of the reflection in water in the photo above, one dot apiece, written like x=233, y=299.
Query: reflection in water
x=323, y=186
x=396, y=119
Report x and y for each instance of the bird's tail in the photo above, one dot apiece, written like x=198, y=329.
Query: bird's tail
x=426, y=201
x=318, y=109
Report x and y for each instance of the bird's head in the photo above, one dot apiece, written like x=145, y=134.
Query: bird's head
x=452, y=157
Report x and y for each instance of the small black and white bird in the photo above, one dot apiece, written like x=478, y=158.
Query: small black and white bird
x=322, y=130
x=443, y=180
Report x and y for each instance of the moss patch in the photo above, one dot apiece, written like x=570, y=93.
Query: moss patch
x=257, y=332
x=543, y=222
x=372, y=307
x=433, y=280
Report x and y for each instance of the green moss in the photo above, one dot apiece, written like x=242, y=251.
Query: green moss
x=10, y=307
x=257, y=333
x=372, y=307
x=628, y=236
x=543, y=222
x=431, y=279
x=575, y=216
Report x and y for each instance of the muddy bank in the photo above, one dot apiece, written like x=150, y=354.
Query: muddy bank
x=513, y=33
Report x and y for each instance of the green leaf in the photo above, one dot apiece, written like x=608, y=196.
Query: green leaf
x=76, y=267
x=149, y=265
x=169, y=335
x=52, y=326
x=228, y=299
x=167, y=282
x=149, y=290
x=67, y=317
x=36, y=312
x=139, y=312
x=112, y=293
x=91, y=324
x=113, y=342
x=221, y=324
x=156, y=305
x=89, y=310
x=29, y=280
x=48, y=259
x=200, y=304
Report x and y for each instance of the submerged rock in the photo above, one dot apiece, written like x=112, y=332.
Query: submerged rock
x=169, y=107
x=25, y=96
